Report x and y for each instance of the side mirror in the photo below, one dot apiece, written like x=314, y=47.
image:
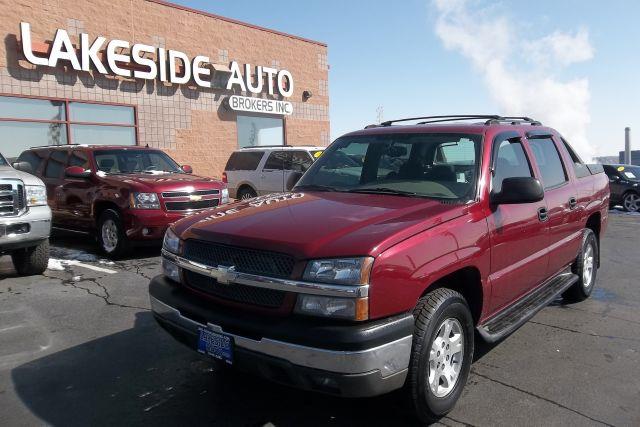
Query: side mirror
x=186, y=169
x=614, y=178
x=23, y=167
x=76, y=172
x=518, y=190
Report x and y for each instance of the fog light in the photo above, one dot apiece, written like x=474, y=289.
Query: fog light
x=170, y=270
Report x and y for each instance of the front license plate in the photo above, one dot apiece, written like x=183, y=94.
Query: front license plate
x=216, y=345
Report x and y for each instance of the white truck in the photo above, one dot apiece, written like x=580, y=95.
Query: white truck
x=25, y=219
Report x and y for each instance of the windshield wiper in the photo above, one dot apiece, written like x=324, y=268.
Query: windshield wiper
x=384, y=190
x=315, y=187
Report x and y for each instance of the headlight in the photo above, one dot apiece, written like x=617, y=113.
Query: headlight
x=224, y=196
x=339, y=308
x=36, y=195
x=145, y=201
x=341, y=271
x=171, y=242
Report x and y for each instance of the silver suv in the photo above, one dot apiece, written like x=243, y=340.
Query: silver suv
x=255, y=171
x=25, y=219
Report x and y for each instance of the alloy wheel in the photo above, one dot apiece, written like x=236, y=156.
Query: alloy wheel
x=445, y=357
x=588, y=264
x=632, y=202
x=109, y=235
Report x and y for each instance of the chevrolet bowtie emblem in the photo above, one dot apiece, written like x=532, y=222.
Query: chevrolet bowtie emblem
x=226, y=274
x=195, y=198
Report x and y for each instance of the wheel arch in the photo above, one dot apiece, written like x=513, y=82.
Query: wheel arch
x=468, y=282
x=594, y=223
x=100, y=206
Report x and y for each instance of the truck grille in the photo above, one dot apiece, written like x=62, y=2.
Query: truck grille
x=244, y=260
x=12, y=198
x=235, y=292
x=183, y=200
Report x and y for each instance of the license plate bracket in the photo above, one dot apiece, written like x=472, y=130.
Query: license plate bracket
x=217, y=345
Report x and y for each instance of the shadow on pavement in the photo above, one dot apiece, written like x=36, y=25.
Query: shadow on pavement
x=142, y=376
x=86, y=245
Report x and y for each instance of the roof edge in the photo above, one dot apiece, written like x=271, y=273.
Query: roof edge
x=234, y=21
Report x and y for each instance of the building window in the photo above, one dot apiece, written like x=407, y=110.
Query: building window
x=253, y=130
x=223, y=56
x=323, y=63
x=32, y=122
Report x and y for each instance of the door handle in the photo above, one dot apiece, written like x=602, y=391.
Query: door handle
x=543, y=214
x=573, y=202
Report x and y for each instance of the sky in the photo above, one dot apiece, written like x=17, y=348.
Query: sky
x=573, y=64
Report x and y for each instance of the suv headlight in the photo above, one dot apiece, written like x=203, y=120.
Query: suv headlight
x=145, y=201
x=224, y=196
x=36, y=195
x=341, y=271
x=171, y=242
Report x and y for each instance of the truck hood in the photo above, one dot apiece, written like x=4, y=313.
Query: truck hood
x=163, y=182
x=319, y=224
x=8, y=172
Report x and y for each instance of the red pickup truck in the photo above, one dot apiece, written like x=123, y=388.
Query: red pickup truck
x=123, y=195
x=393, y=248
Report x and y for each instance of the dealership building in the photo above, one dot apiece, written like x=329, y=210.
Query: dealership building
x=152, y=73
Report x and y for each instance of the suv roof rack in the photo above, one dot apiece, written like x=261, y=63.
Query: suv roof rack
x=490, y=119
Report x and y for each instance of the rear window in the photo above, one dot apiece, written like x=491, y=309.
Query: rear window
x=34, y=158
x=244, y=160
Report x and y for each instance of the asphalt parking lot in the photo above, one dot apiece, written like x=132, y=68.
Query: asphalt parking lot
x=80, y=347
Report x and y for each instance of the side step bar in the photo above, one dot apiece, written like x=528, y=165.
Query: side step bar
x=507, y=321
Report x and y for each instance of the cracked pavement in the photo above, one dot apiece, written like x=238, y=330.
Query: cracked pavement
x=78, y=346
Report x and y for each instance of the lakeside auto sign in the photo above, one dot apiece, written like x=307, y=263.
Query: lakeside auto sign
x=164, y=67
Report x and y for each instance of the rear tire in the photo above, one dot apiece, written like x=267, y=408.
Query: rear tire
x=112, y=239
x=31, y=261
x=246, y=193
x=586, y=267
x=441, y=354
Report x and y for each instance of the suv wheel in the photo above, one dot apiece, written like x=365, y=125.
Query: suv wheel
x=442, y=353
x=586, y=267
x=111, y=237
x=631, y=202
x=246, y=193
x=31, y=261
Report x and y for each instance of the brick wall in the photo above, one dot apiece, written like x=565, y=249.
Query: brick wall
x=188, y=122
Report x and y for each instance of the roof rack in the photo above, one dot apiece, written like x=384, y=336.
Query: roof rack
x=490, y=119
x=53, y=146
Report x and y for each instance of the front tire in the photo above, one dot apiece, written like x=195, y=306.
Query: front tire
x=586, y=267
x=31, y=261
x=441, y=354
x=112, y=239
x=631, y=202
x=246, y=193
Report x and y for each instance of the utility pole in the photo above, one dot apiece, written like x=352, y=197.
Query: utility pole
x=627, y=146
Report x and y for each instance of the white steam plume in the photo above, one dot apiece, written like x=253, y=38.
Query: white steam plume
x=521, y=73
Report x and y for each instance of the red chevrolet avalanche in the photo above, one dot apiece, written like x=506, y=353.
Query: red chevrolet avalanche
x=394, y=248
x=122, y=195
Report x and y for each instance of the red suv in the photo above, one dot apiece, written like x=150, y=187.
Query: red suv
x=123, y=195
x=394, y=247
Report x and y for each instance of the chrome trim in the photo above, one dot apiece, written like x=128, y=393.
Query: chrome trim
x=224, y=275
x=184, y=193
x=389, y=358
x=18, y=195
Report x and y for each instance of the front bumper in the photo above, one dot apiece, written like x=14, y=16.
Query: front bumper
x=142, y=224
x=351, y=360
x=37, y=220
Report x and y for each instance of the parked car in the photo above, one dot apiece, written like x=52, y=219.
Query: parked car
x=25, y=220
x=624, y=181
x=263, y=170
x=395, y=246
x=122, y=195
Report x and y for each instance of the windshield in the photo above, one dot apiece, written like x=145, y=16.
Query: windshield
x=630, y=172
x=441, y=166
x=135, y=161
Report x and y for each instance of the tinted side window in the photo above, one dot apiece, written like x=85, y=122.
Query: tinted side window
x=277, y=160
x=300, y=161
x=511, y=162
x=79, y=158
x=244, y=161
x=548, y=160
x=56, y=164
x=578, y=166
x=34, y=158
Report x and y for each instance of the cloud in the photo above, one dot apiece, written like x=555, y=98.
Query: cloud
x=521, y=73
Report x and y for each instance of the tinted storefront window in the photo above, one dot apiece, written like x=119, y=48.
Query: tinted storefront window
x=253, y=131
